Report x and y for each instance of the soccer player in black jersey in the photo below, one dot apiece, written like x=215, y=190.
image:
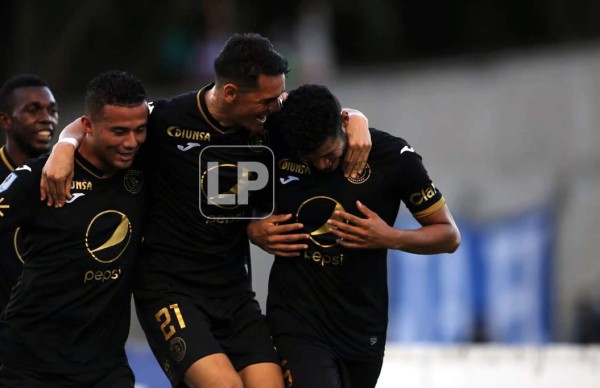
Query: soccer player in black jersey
x=67, y=318
x=28, y=117
x=327, y=307
x=194, y=298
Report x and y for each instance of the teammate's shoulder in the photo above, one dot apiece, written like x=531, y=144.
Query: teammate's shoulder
x=162, y=105
x=28, y=172
x=393, y=148
x=34, y=165
x=379, y=137
x=169, y=102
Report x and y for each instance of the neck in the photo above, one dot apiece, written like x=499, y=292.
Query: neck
x=17, y=154
x=216, y=107
x=85, y=150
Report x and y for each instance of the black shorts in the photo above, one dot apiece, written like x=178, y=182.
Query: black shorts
x=181, y=331
x=307, y=363
x=118, y=377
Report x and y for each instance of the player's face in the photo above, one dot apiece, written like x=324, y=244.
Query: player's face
x=253, y=106
x=329, y=155
x=116, y=136
x=33, y=119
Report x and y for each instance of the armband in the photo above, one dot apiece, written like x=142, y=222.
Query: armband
x=70, y=140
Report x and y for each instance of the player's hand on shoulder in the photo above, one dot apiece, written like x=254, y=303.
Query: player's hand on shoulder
x=57, y=174
x=359, y=142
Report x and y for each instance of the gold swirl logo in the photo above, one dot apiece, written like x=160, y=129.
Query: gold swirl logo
x=314, y=213
x=108, y=235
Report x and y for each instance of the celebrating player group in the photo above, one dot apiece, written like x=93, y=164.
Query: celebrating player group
x=161, y=199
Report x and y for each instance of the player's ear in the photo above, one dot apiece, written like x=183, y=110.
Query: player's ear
x=87, y=124
x=230, y=92
x=345, y=118
x=4, y=121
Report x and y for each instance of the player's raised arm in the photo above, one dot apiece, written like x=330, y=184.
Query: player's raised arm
x=55, y=185
x=359, y=142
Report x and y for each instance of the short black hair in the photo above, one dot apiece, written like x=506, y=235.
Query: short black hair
x=245, y=57
x=17, y=82
x=310, y=115
x=113, y=87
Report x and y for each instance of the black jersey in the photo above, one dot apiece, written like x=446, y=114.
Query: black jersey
x=11, y=262
x=337, y=293
x=188, y=243
x=69, y=312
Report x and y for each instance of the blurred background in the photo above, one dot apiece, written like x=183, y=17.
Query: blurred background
x=501, y=98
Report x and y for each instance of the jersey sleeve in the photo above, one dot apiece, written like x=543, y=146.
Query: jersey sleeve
x=19, y=197
x=416, y=189
x=143, y=157
x=158, y=113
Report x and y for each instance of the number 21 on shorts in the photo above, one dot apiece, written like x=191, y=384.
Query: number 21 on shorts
x=163, y=316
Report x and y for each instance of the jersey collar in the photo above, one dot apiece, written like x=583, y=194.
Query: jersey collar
x=6, y=159
x=87, y=166
x=203, y=109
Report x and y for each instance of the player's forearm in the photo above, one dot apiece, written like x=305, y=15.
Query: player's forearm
x=356, y=115
x=359, y=141
x=58, y=171
x=428, y=240
x=74, y=130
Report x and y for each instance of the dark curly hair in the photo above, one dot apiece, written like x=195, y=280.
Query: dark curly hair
x=113, y=87
x=17, y=82
x=309, y=116
x=245, y=57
